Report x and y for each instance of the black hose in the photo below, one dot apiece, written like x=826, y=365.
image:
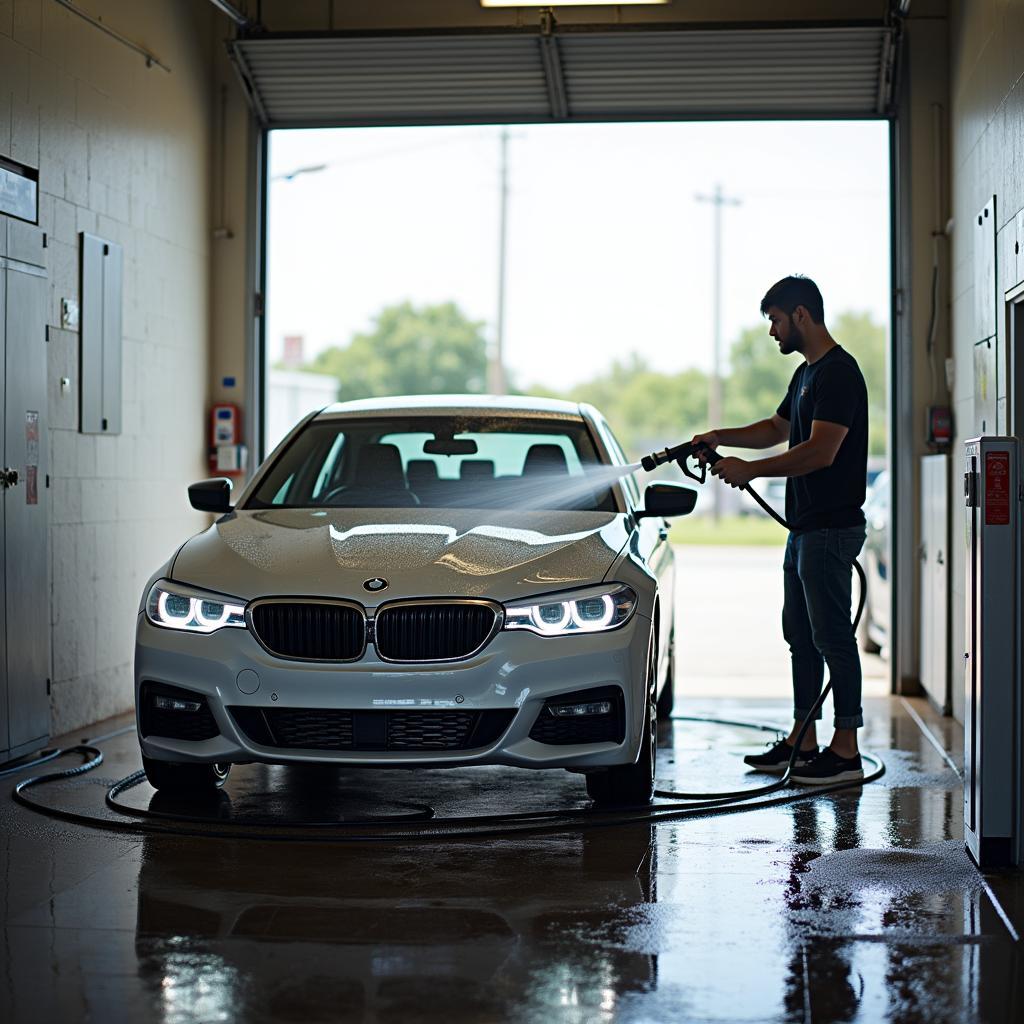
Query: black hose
x=13, y=767
x=750, y=793
x=397, y=828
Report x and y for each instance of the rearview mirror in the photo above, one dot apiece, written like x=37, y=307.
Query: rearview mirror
x=667, y=499
x=450, y=446
x=211, y=495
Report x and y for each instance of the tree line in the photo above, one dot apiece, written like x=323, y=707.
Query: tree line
x=437, y=349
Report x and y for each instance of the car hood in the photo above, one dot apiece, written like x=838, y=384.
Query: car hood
x=421, y=552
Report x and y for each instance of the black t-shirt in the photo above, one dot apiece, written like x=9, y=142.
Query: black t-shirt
x=832, y=389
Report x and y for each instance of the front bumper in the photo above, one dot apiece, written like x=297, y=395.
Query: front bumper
x=516, y=671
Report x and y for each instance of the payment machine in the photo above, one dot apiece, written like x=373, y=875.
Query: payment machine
x=992, y=708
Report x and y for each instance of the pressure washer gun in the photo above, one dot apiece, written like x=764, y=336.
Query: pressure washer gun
x=682, y=453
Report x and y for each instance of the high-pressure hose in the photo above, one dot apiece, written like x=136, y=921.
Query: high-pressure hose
x=705, y=455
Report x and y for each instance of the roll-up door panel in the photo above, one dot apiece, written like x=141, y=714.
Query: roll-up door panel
x=728, y=72
x=345, y=80
x=571, y=75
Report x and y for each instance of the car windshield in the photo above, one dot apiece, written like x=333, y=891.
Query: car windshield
x=440, y=461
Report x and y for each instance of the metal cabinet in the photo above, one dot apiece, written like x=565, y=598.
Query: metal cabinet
x=24, y=505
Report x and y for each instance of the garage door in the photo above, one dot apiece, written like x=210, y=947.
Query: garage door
x=582, y=75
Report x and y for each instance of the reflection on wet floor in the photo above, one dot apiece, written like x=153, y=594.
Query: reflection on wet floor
x=859, y=906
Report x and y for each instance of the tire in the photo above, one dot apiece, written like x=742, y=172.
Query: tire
x=631, y=784
x=667, y=697
x=173, y=777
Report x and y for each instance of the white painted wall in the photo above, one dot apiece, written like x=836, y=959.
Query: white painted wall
x=123, y=151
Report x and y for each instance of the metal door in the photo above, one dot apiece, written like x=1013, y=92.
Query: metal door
x=26, y=539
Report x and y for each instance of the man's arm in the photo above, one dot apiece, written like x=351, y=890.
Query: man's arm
x=763, y=434
x=817, y=452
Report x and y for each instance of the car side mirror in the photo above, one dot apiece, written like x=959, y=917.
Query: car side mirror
x=211, y=495
x=667, y=499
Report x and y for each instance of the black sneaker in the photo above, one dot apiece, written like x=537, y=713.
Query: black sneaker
x=776, y=758
x=828, y=767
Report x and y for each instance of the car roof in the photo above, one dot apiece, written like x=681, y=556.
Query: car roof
x=480, y=405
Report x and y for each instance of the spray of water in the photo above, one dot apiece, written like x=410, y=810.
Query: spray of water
x=551, y=490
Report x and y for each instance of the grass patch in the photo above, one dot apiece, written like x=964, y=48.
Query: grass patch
x=759, y=531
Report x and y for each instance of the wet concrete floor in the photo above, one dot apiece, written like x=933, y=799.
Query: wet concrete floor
x=857, y=906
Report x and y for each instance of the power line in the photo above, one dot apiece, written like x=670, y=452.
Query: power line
x=717, y=200
x=496, y=364
x=383, y=154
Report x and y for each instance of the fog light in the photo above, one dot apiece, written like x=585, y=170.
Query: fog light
x=594, y=707
x=175, y=704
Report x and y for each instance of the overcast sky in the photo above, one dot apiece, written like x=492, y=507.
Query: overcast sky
x=608, y=250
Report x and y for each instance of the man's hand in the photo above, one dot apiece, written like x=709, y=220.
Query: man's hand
x=710, y=438
x=735, y=472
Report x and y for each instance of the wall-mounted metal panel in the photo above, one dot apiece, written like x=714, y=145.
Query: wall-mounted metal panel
x=986, y=343
x=100, y=353
x=985, y=272
x=678, y=73
x=113, y=274
x=985, y=383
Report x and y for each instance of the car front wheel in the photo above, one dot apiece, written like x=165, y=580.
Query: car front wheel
x=631, y=784
x=173, y=777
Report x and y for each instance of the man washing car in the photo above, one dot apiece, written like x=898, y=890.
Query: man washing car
x=824, y=418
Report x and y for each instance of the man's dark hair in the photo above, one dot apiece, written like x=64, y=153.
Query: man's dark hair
x=795, y=291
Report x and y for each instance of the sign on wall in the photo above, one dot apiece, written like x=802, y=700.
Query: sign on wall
x=19, y=191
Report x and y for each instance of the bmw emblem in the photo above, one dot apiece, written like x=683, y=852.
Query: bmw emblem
x=375, y=585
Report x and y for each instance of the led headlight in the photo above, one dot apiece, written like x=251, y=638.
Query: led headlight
x=585, y=611
x=179, y=607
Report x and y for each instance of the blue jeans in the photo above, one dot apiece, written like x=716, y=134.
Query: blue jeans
x=816, y=620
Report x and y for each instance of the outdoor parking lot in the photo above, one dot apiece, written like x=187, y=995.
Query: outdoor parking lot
x=728, y=633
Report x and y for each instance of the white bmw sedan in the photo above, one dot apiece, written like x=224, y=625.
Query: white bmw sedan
x=419, y=582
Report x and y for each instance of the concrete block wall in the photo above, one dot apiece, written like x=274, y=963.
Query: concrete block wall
x=123, y=151
x=987, y=137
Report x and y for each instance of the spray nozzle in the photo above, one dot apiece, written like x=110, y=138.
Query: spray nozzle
x=682, y=453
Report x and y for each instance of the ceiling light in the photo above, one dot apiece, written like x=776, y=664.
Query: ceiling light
x=571, y=3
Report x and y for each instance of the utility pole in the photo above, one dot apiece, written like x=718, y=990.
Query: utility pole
x=718, y=200
x=496, y=364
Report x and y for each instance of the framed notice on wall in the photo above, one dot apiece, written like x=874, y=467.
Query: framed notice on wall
x=19, y=191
